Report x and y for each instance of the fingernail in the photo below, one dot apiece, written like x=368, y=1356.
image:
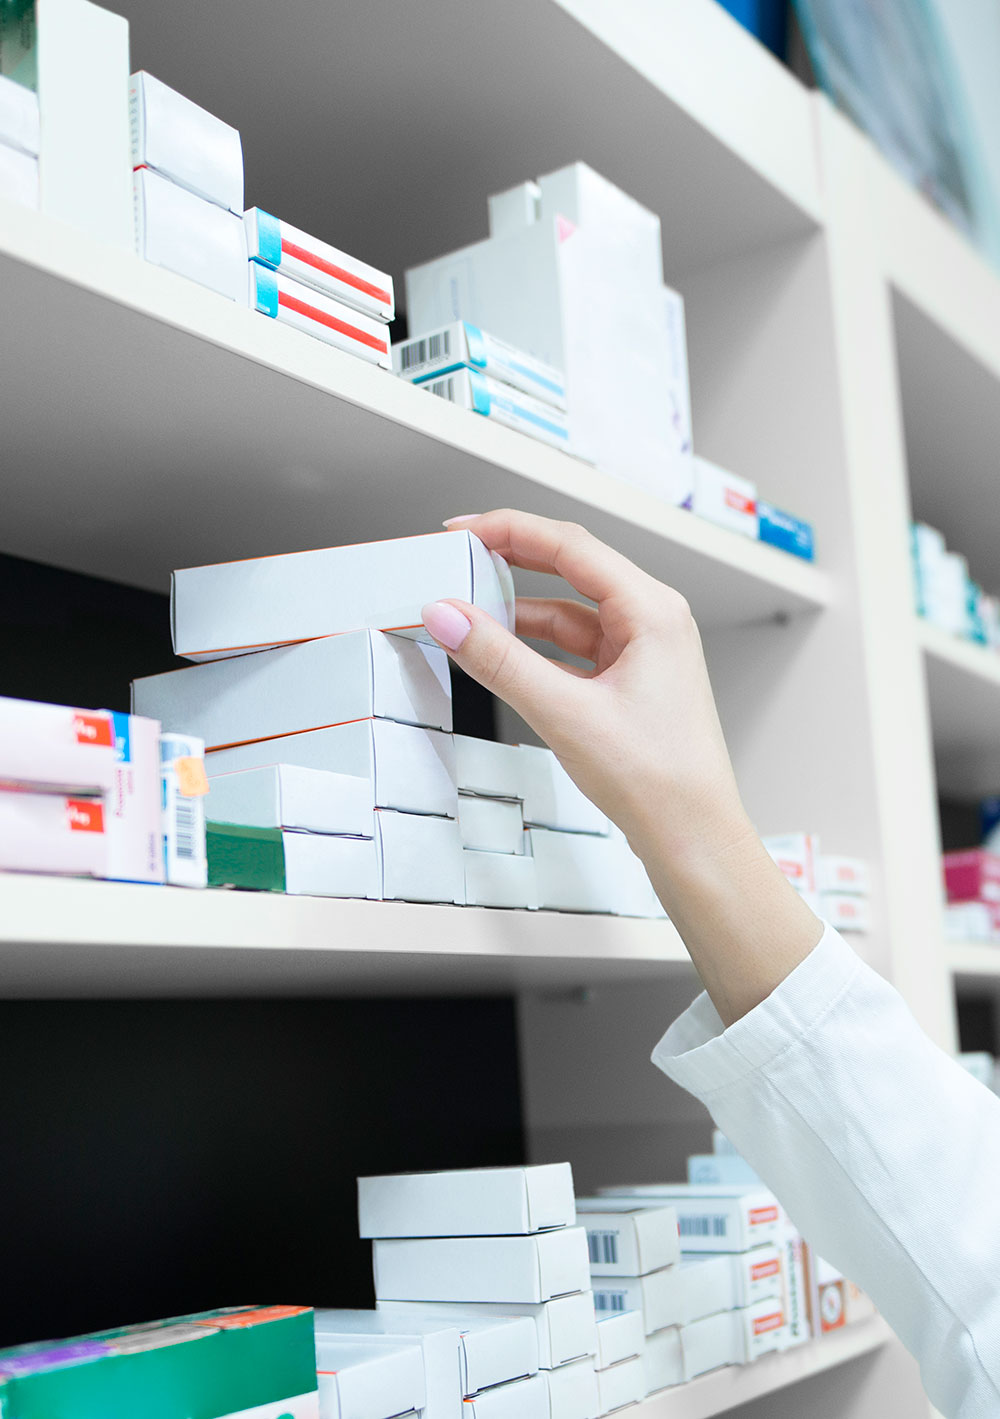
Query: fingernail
x=446, y=624
x=465, y=517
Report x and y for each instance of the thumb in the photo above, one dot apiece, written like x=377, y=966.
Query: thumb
x=484, y=649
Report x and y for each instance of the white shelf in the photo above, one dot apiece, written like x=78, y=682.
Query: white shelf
x=60, y=936
x=963, y=687
x=725, y=1389
x=168, y=427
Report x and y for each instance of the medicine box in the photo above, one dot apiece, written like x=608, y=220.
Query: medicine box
x=565, y=1328
x=796, y=1290
x=234, y=607
x=713, y=1217
x=576, y=872
x=185, y=143
x=420, y=858
x=461, y=345
x=732, y=1337
x=499, y=879
x=656, y=1295
x=529, y=1269
x=796, y=854
x=514, y=208
x=826, y=1291
x=521, y=1399
x=487, y=769
x=282, y=247
x=586, y=199
x=728, y=1280
x=301, y=864
x=573, y=1392
x=133, y=807
x=664, y=1359
x=357, y=1378
x=190, y=236
x=18, y=177
x=280, y=298
x=552, y=799
x=19, y=117
x=721, y=1168
x=972, y=875
x=480, y=393
x=620, y=1336
x=287, y=796
x=724, y=498
x=439, y=1347
x=495, y=1350
x=846, y=913
x=467, y=1202
x=628, y=1240
x=491, y=825
x=47, y=832
x=56, y=747
x=621, y=1386
x=182, y=780
x=409, y=769
x=308, y=686
x=841, y=874
x=782, y=529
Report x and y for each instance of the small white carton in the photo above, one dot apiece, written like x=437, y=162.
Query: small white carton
x=521, y=1399
x=713, y=1217
x=841, y=874
x=621, y=1386
x=368, y=1380
x=573, y=1392
x=726, y=1281
x=576, y=872
x=663, y=1359
x=491, y=825
x=724, y=498
x=282, y=247
x=796, y=1291
x=287, y=796
x=185, y=143
x=133, y=819
x=528, y=1269
x=627, y=1239
x=190, y=236
x=657, y=1295
x=420, y=858
x=481, y=394
x=621, y=1335
x=19, y=117
x=487, y=769
x=234, y=607
x=182, y=788
x=796, y=854
x=277, y=296
x=732, y=1337
x=18, y=177
x=500, y=879
x=720, y=1168
x=552, y=799
x=56, y=747
x=409, y=769
x=333, y=680
x=565, y=1328
x=467, y=1202
x=496, y=1350
x=461, y=345
x=47, y=832
x=846, y=913
x=439, y=1344
x=322, y=865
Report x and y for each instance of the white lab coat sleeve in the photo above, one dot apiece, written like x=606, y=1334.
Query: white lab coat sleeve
x=883, y=1150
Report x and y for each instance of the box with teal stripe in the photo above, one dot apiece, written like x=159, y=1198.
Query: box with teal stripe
x=463, y=346
x=471, y=389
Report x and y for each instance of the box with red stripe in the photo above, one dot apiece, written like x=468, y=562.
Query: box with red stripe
x=284, y=248
x=281, y=298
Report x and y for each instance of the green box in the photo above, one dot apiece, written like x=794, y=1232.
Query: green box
x=239, y=856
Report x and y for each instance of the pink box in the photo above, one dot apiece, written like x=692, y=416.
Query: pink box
x=972, y=876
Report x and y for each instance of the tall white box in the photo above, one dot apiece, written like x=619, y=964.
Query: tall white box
x=467, y=1202
x=83, y=72
x=334, y=680
x=185, y=143
x=420, y=858
x=132, y=820
x=189, y=236
x=657, y=1295
x=529, y=1269
x=628, y=1240
x=440, y=1346
x=586, y=199
x=566, y=1328
x=287, y=796
x=182, y=772
x=359, y=1380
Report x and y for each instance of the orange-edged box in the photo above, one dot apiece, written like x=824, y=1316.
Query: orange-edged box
x=50, y=832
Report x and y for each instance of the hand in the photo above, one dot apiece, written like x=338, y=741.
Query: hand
x=639, y=733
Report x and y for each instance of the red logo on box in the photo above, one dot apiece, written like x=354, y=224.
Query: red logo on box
x=765, y=1323
x=84, y=815
x=93, y=729
x=739, y=501
x=765, y=1268
x=762, y=1214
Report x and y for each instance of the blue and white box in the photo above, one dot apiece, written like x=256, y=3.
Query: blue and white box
x=470, y=389
x=461, y=345
x=781, y=529
x=304, y=308
x=280, y=246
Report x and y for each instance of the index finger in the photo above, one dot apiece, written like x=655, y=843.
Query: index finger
x=540, y=544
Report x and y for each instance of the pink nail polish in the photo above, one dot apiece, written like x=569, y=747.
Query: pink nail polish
x=464, y=517
x=446, y=624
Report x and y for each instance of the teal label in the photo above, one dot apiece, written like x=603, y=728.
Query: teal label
x=268, y=239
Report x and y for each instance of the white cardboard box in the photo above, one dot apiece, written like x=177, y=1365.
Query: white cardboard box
x=732, y=1337
x=190, y=236
x=657, y=1295
x=721, y=1168
x=573, y=1392
x=56, y=747
x=796, y=1291
x=183, y=815
x=521, y=1399
x=529, y=1269
x=628, y=1240
x=488, y=769
x=552, y=799
x=841, y=874
x=185, y=143
x=727, y=1281
x=565, y=1328
x=587, y=199
x=500, y=879
x=713, y=1217
x=663, y=1359
x=796, y=855
x=287, y=796
x=460, y=345
x=18, y=177
x=277, y=296
x=481, y=394
x=621, y=1335
x=576, y=872
x=491, y=825
x=409, y=769
x=133, y=807
x=314, y=263
x=48, y=832
x=234, y=607
x=724, y=498
x=321, y=865
x=420, y=858
x=621, y=1386
x=495, y=1350
x=333, y=680
x=19, y=126
x=439, y=1343
x=467, y=1202
x=365, y=1380
x=846, y=913
x=83, y=69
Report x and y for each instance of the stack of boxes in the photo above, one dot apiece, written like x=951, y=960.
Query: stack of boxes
x=622, y=1377
x=731, y=501
x=499, y=869
x=835, y=887
x=945, y=593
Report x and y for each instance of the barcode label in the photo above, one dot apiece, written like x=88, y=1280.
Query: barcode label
x=423, y=352
x=443, y=388
x=610, y=1300
x=603, y=1248
x=712, y=1226
x=185, y=825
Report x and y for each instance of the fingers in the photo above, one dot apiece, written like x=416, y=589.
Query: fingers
x=569, y=625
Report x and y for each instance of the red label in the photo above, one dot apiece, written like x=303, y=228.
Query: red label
x=765, y=1268
x=312, y=312
x=84, y=815
x=790, y=869
x=339, y=273
x=765, y=1323
x=762, y=1214
x=263, y=1316
x=739, y=501
x=93, y=729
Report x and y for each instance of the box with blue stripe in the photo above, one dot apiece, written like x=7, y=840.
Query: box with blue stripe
x=472, y=390
x=464, y=346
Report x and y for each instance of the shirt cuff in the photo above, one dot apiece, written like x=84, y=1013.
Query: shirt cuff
x=701, y=1055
